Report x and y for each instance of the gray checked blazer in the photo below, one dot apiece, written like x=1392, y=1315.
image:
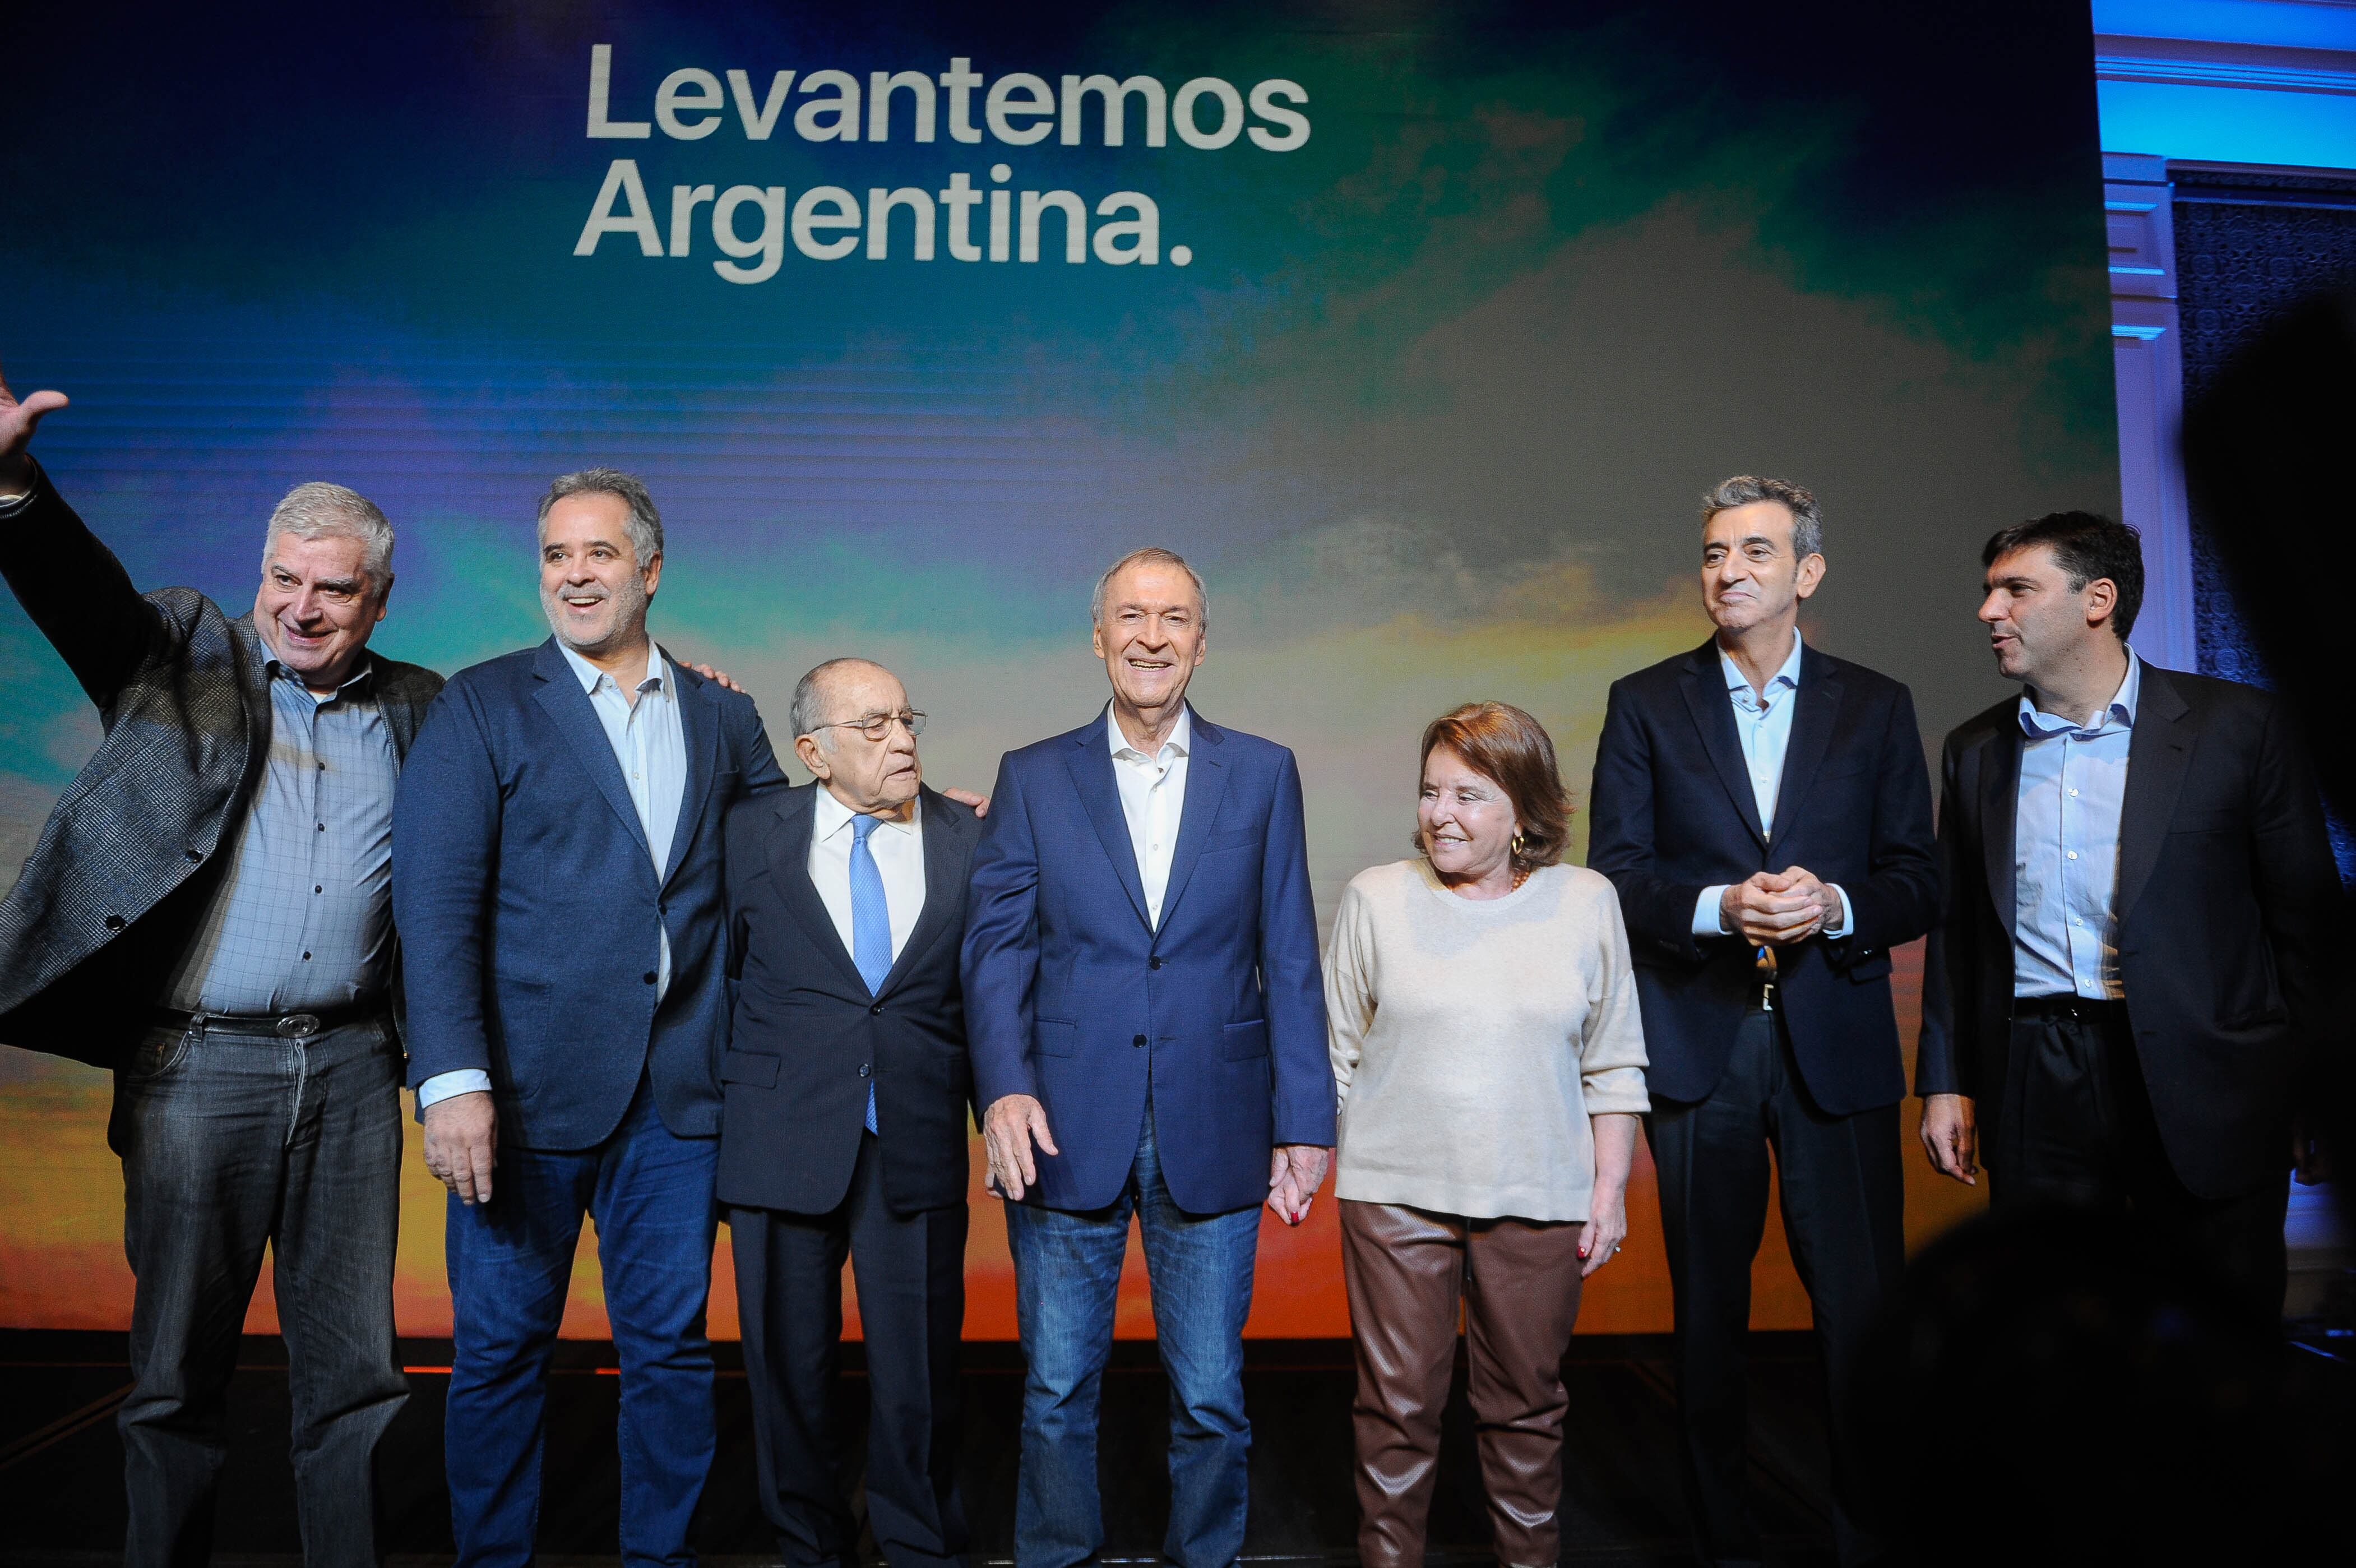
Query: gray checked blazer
x=127, y=862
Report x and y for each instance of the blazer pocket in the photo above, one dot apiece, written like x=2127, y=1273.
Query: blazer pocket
x=2206, y=823
x=757, y=1069
x=1055, y=1037
x=1242, y=1042
x=1243, y=838
x=1874, y=968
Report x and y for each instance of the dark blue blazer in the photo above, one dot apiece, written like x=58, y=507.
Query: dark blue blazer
x=1672, y=813
x=530, y=909
x=1071, y=997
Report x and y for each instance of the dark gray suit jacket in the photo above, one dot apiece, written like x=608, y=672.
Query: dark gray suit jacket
x=809, y=1037
x=127, y=862
x=2230, y=939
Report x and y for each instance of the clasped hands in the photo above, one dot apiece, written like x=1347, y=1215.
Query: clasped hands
x=1776, y=909
x=1015, y=1122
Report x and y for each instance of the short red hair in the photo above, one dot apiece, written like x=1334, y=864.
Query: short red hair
x=1503, y=743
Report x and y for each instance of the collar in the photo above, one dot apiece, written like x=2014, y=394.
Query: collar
x=1179, y=744
x=830, y=816
x=2038, y=724
x=267, y=664
x=1788, y=677
x=588, y=675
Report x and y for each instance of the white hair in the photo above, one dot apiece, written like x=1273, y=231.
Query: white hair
x=1153, y=555
x=322, y=510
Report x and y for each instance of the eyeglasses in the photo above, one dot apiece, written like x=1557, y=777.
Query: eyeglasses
x=875, y=726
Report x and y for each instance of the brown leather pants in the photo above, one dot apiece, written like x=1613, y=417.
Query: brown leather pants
x=1406, y=1271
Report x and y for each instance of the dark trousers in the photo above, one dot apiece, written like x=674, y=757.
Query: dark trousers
x=2077, y=1129
x=510, y=1262
x=909, y=1270
x=1408, y=1271
x=231, y=1143
x=1844, y=1207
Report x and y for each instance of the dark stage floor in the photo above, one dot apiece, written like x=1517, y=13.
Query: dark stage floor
x=60, y=1463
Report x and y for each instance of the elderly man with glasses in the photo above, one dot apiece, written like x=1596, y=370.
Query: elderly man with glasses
x=844, y=1130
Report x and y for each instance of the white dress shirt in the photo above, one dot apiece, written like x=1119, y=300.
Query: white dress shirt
x=1763, y=724
x=2065, y=854
x=899, y=852
x=1153, y=798
x=650, y=744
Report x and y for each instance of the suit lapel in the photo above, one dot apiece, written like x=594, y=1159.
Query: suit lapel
x=2159, y=754
x=1090, y=760
x=699, y=724
x=944, y=836
x=1206, y=785
x=2000, y=810
x=575, y=717
x=789, y=853
x=1705, y=689
x=400, y=715
x=1813, y=722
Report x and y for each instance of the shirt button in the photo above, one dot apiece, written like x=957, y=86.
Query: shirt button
x=306, y=957
x=323, y=827
x=319, y=887
x=2073, y=854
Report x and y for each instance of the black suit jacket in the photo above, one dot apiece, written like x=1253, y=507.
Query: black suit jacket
x=2227, y=896
x=808, y=1032
x=1672, y=813
x=127, y=863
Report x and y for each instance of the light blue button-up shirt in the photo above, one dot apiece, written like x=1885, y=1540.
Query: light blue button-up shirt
x=304, y=918
x=2065, y=855
x=650, y=743
x=1764, y=725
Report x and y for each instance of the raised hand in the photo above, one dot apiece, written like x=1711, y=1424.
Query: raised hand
x=18, y=421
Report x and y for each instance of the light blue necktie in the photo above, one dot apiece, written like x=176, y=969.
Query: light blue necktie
x=871, y=924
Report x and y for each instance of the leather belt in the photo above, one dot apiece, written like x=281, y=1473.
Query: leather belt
x=282, y=1025
x=2083, y=1009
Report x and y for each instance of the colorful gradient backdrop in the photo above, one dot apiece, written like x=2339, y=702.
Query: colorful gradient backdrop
x=1431, y=406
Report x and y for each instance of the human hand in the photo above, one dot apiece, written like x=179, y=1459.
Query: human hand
x=18, y=421
x=462, y=1144
x=1295, y=1171
x=1824, y=900
x=1008, y=1129
x=1951, y=1134
x=1765, y=910
x=720, y=676
x=1607, y=1227
x=980, y=803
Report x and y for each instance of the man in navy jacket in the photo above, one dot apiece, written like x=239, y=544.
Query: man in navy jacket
x=1147, y=1024
x=1764, y=810
x=557, y=882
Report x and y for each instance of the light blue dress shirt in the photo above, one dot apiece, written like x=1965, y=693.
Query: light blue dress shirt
x=2065, y=855
x=1765, y=726
x=650, y=744
x=304, y=919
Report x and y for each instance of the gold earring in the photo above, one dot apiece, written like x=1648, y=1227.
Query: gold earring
x=1520, y=846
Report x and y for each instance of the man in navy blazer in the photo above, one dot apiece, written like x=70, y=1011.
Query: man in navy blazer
x=557, y=882
x=1766, y=812
x=1147, y=1025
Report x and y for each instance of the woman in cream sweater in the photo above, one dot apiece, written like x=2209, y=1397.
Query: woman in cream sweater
x=1490, y=1068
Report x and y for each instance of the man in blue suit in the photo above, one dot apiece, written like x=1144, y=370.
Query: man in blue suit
x=1147, y=1031
x=557, y=884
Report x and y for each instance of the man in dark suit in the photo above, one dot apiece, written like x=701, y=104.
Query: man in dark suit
x=557, y=872
x=2140, y=912
x=844, y=1132
x=1147, y=1025
x=1764, y=811
x=207, y=913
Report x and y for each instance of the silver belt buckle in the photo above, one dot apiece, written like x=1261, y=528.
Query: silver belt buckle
x=1767, y=996
x=295, y=1025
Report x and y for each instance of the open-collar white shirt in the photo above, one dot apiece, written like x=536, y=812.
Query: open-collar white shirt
x=1153, y=798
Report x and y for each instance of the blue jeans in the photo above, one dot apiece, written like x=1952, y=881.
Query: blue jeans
x=1066, y=1279
x=510, y=1263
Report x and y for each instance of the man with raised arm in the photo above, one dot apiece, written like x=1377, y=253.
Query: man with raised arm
x=207, y=912
x=1147, y=1023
